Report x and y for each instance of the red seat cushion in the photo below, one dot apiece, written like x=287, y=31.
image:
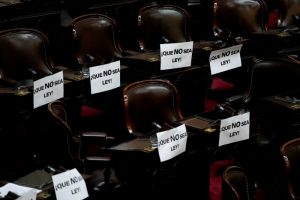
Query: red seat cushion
x=87, y=111
x=220, y=84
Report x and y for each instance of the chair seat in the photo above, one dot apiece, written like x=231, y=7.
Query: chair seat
x=98, y=158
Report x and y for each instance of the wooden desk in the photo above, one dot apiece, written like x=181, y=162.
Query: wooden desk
x=137, y=144
x=138, y=166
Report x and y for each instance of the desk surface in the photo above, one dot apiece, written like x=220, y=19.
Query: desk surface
x=137, y=144
x=144, y=144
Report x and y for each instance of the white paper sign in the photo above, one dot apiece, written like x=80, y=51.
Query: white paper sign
x=176, y=55
x=171, y=142
x=225, y=59
x=30, y=195
x=48, y=89
x=69, y=185
x=105, y=77
x=234, y=129
x=17, y=189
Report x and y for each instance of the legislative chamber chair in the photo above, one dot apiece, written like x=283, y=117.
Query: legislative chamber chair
x=84, y=150
x=283, y=78
x=291, y=155
x=96, y=35
x=24, y=54
x=241, y=17
x=78, y=151
x=152, y=106
x=150, y=101
x=234, y=21
x=236, y=184
x=289, y=12
x=158, y=24
x=96, y=42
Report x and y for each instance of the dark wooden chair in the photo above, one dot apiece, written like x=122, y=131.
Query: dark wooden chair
x=96, y=35
x=148, y=102
x=241, y=17
x=24, y=54
x=158, y=24
x=81, y=148
x=291, y=155
x=236, y=184
x=289, y=11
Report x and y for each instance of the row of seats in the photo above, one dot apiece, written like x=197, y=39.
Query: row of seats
x=253, y=178
x=93, y=34
x=283, y=76
x=238, y=183
x=25, y=57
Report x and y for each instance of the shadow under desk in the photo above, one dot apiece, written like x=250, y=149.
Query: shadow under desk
x=138, y=167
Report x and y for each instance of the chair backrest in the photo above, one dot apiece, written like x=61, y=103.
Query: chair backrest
x=24, y=54
x=241, y=17
x=159, y=24
x=96, y=35
x=149, y=101
x=59, y=114
x=283, y=76
x=288, y=9
x=235, y=184
x=290, y=151
x=84, y=149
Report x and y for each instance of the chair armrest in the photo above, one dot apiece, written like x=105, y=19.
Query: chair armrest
x=12, y=86
x=97, y=158
x=9, y=81
x=98, y=138
x=60, y=68
x=226, y=109
x=235, y=99
x=130, y=52
x=93, y=135
x=97, y=135
x=94, y=144
x=232, y=105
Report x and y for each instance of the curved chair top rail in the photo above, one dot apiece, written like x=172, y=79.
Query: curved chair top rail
x=24, y=51
x=96, y=35
x=149, y=101
x=163, y=24
x=290, y=151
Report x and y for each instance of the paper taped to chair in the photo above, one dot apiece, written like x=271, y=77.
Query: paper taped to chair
x=176, y=55
x=48, y=89
x=171, y=142
x=69, y=185
x=225, y=59
x=234, y=129
x=105, y=77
